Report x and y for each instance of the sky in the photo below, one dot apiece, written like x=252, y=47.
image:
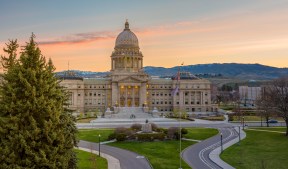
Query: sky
x=83, y=33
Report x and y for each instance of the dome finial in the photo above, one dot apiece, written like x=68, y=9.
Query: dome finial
x=126, y=25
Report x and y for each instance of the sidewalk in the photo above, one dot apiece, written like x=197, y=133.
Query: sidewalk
x=113, y=163
x=215, y=154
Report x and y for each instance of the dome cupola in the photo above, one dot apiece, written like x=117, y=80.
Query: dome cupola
x=126, y=38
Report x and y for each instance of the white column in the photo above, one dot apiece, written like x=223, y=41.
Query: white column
x=125, y=95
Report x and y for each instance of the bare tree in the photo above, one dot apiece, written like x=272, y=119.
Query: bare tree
x=276, y=95
x=264, y=109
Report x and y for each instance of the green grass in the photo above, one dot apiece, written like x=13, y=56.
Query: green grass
x=281, y=129
x=161, y=154
x=87, y=160
x=254, y=118
x=200, y=133
x=92, y=135
x=259, y=150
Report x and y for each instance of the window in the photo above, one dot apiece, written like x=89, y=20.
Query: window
x=177, y=102
x=186, y=102
x=79, y=94
x=90, y=94
x=198, y=102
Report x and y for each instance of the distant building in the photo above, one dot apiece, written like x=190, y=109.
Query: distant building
x=249, y=95
x=127, y=85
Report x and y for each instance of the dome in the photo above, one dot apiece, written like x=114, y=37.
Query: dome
x=126, y=38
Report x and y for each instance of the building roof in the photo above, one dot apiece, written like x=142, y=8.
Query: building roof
x=185, y=76
x=126, y=38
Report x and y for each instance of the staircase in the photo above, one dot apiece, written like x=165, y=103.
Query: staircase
x=131, y=113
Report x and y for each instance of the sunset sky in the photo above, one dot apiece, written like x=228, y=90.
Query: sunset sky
x=170, y=32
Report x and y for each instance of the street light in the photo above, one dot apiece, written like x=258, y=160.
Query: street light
x=239, y=135
x=221, y=142
x=99, y=136
x=243, y=122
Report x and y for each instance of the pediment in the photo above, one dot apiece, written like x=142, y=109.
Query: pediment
x=131, y=79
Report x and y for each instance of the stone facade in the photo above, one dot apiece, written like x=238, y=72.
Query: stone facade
x=127, y=85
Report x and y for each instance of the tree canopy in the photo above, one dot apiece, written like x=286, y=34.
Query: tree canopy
x=37, y=130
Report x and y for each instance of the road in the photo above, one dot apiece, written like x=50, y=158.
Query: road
x=197, y=156
x=127, y=159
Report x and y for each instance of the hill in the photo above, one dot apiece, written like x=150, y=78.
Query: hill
x=230, y=70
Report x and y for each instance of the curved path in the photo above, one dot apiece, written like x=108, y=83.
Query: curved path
x=197, y=156
x=127, y=159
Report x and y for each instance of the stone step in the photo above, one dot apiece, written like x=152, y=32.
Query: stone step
x=130, y=112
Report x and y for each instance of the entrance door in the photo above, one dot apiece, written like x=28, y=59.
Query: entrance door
x=129, y=102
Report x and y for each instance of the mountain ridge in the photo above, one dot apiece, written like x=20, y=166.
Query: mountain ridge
x=236, y=70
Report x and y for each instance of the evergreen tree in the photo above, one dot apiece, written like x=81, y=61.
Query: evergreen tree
x=37, y=130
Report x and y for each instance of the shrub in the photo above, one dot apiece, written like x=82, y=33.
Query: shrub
x=150, y=136
x=172, y=132
x=125, y=131
x=184, y=131
x=121, y=137
x=162, y=130
x=154, y=126
x=136, y=127
x=112, y=136
x=119, y=130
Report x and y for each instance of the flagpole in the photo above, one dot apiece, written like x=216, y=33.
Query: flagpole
x=180, y=116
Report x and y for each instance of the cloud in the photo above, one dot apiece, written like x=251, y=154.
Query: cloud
x=88, y=37
x=80, y=38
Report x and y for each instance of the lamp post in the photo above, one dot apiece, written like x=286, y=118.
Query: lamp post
x=99, y=136
x=239, y=135
x=221, y=143
x=243, y=122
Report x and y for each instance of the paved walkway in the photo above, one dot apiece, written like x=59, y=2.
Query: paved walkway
x=215, y=154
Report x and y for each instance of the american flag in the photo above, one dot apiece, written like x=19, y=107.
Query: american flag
x=175, y=91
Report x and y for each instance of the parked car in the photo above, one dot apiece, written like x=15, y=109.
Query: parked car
x=272, y=121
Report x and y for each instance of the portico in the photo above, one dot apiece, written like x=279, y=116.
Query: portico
x=128, y=95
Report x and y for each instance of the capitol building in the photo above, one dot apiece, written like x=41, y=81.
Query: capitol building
x=127, y=85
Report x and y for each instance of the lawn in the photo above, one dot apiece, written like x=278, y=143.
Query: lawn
x=254, y=118
x=161, y=154
x=92, y=135
x=87, y=160
x=281, y=129
x=259, y=150
x=200, y=133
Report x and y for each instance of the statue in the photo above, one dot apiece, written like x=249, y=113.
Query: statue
x=147, y=127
